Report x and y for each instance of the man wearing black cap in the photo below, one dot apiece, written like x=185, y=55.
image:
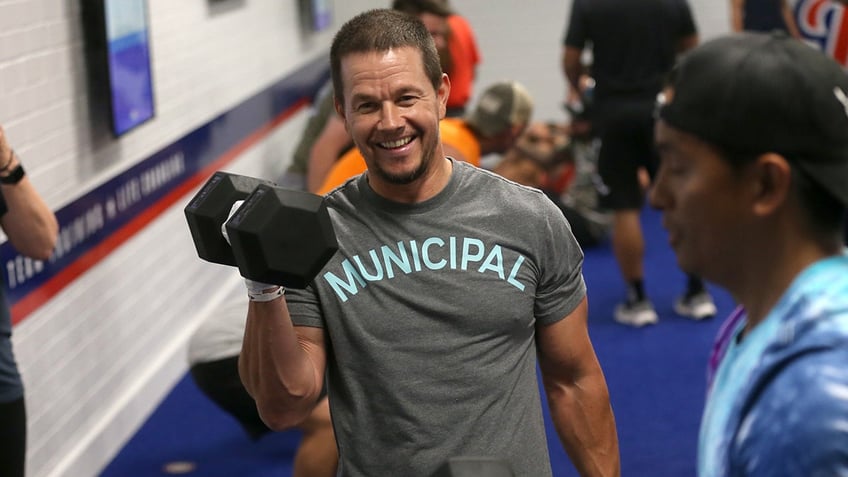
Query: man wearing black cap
x=753, y=185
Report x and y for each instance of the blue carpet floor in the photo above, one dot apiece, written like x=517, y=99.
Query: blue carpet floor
x=655, y=376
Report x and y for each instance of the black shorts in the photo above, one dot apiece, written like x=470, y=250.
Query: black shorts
x=626, y=131
x=13, y=437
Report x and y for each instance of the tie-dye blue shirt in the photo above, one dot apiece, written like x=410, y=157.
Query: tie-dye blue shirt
x=778, y=402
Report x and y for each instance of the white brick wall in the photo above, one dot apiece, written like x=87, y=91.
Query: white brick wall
x=99, y=356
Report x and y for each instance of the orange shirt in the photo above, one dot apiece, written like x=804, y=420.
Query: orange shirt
x=455, y=133
x=452, y=131
x=464, y=56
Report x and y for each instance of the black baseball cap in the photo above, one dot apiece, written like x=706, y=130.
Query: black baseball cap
x=766, y=92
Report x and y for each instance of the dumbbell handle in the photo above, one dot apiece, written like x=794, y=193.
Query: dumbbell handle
x=206, y=211
x=233, y=210
x=256, y=291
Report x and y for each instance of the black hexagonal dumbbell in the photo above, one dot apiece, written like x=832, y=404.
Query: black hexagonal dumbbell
x=278, y=236
x=208, y=210
x=282, y=236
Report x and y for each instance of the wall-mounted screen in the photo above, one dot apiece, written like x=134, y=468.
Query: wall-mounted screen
x=321, y=13
x=128, y=52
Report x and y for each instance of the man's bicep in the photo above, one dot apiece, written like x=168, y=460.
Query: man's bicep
x=565, y=350
x=312, y=340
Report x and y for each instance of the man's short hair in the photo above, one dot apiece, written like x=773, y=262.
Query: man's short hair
x=381, y=30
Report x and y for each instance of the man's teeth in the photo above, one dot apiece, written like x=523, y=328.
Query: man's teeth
x=394, y=144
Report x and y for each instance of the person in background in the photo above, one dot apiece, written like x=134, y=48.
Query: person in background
x=583, y=190
x=497, y=121
x=752, y=189
x=32, y=229
x=763, y=15
x=434, y=14
x=331, y=144
x=450, y=286
x=530, y=159
x=633, y=45
x=456, y=43
x=321, y=143
x=213, y=352
x=465, y=56
x=543, y=155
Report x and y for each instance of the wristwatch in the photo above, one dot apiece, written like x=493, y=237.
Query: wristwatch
x=15, y=176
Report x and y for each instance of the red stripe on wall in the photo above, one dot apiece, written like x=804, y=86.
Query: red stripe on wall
x=840, y=50
x=34, y=300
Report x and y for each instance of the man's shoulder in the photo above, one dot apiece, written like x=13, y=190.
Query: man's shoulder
x=495, y=187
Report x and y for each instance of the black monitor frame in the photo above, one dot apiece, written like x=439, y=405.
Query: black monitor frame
x=119, y=68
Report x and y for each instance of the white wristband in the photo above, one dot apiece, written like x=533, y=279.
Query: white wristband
x=266, y=296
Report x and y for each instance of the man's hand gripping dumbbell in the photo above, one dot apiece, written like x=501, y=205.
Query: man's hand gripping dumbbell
x=276, y=237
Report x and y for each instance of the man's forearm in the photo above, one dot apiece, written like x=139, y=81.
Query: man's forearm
x=584, y=421
x=31, y=226
x=29, y=223
x=572, y=68
x=275, y=367
x=736, y=15
x=789, y=19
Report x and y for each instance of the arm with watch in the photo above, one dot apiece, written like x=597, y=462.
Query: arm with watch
x=28, y=222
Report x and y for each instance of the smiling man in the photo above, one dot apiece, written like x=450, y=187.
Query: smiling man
x=753, y=185
x=492, y=127
x=450, y=285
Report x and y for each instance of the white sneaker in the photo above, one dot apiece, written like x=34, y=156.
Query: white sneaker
x=636, y=314
x=697, y=306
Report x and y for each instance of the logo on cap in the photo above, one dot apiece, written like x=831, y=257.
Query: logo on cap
x=840, y=96
x=490, y=103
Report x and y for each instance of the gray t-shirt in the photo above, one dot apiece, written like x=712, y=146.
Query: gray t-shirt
x=431, y=311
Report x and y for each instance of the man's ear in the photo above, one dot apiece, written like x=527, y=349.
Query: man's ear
x=773, y=182
x=443, y=92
